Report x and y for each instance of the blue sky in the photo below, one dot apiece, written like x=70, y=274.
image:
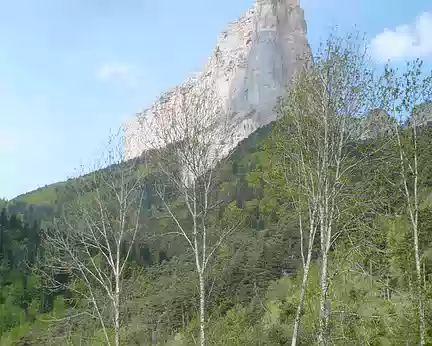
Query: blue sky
x=71, y=70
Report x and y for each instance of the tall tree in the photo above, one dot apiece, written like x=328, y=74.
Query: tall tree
x=406, y=95
x=93, y=239
x=322, y=120
x=191, y=140
x=293, y=168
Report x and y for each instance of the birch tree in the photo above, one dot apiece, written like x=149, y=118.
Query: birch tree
x=406, y=95
x=323, y=118
x=190, y=138
x=92, y=240
x=346, y=94
x=295, y=142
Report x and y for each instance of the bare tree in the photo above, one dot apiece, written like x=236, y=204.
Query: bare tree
x=323, y=118
x=405, y=95
x=93, y=238
x=190, y=138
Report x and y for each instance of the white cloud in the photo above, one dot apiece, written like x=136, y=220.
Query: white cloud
x=7, y=143
x=118, y=72
x=405, y=42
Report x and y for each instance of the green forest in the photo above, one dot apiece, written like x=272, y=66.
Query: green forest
x=314, y=230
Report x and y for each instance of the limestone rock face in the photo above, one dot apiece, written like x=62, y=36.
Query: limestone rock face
x=253, y=64
x=377, y=124
x=423, y=115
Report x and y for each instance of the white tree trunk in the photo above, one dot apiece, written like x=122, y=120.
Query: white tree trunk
x=302, y=297
x=117, y=312
x=324, y=313
x=413, y=208
x=416, y=242
x=202, y=310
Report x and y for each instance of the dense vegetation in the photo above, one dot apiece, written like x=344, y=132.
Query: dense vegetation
x=255, y=288
x=253, y=284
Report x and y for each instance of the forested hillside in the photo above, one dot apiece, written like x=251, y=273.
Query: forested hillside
x=312, y=231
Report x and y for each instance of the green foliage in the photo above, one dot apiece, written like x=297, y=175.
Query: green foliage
x=254, y=282
x=43, y=196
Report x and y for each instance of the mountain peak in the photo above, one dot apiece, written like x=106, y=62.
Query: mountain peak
x=290, y=3
x=255, y=60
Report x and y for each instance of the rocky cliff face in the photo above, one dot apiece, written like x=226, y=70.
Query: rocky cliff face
x=422, y=114
x=253, y=64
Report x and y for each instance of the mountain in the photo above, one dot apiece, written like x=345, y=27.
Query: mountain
x=254, y=62
x=423, y=115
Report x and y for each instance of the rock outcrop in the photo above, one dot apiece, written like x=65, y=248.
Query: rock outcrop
x=422, y=115
x=253, y=64
x=379, y=123
x=376, y=124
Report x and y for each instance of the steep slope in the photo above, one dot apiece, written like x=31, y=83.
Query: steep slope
x=254, y=62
